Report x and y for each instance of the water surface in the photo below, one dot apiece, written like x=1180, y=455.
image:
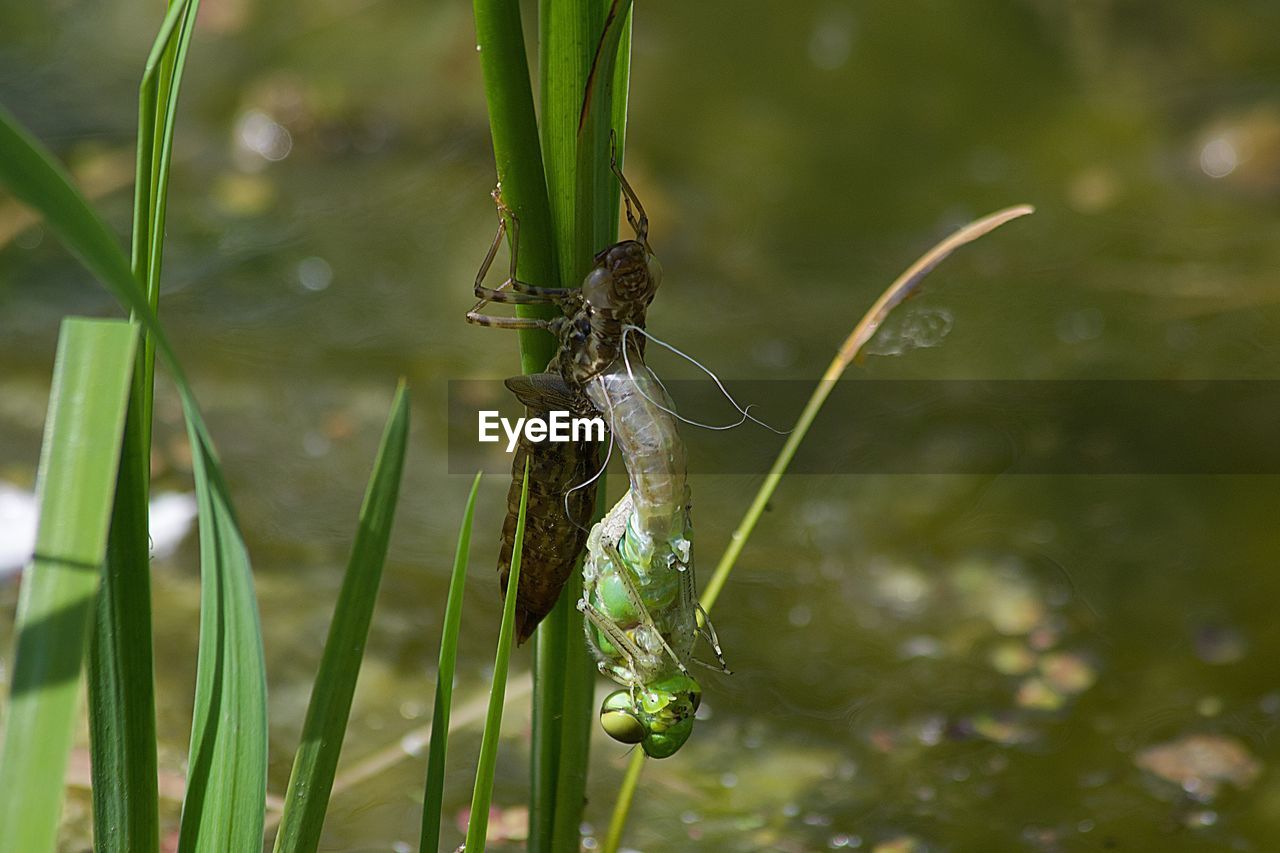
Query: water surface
x=950, y=662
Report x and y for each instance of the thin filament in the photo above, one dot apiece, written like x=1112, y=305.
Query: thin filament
x=745, y=412
x=608, y=454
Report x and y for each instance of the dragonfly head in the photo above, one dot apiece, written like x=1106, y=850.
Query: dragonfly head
x=659, y=717
x=624, y=279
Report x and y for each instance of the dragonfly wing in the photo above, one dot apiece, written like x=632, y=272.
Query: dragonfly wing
x=543, y=392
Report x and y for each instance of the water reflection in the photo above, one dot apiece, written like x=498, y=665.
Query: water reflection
x=922, y=662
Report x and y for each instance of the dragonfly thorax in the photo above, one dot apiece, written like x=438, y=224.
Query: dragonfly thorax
x=623, y=281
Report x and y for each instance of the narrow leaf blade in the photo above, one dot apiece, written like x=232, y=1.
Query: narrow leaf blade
x=517, y=155
x=481, y=796
x=226, y=785
x=122, y=715
x=311, y=781
x=77, y=477
x=225, y=801
x=439, y=743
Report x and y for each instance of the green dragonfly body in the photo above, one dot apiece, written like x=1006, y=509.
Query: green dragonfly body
x=639, y=593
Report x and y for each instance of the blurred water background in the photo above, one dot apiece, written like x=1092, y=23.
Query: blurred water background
x=921, y=662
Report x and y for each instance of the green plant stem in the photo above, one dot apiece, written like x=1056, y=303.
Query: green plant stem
x=595, y=187
x=561, y=65
x=433, y=796
x=565, y=33
x=559, y=185
x=602, y=123
x=579, y=43
x=121, y=662
x=903, y=287
x=517, y=154
x=478, y=825
x=626, y=793
x=549, y=644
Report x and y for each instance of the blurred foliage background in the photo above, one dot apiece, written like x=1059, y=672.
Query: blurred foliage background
x=946, y=662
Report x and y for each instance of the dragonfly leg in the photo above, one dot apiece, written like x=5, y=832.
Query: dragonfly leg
x=637, y=603
x=512, y=291
x=617, y=636
x=714, y=667
x=505, y=215
x=487, y=263
x=511, y=297
x=507, y=322
x=708, y=632
x=641, y=224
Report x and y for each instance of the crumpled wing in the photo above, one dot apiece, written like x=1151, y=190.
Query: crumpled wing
x=543, y=392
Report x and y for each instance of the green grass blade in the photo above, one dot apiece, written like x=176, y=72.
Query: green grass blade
x=121, y=661
x=581, y=103
x=550, y=642
x=596, y=188
x=478, y=826
x=307, y=797
x=168, y=83
x=149, y=117
x=897, y=292
x=564, y=41
x=578, y=716
x=122, y=717
x=36, y=179
x=622, y=807
x=438, y=745
x=593, y=109
x=158, y=108
x=227, y=779
x=517, y=154
x=77, y=476
x=227, y=761
x=621, y=97
x=568, y=36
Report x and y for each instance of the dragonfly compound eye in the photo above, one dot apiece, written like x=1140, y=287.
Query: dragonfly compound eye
x=618, y=721
x=596, y=289
x=655, y=270
x=665, y=742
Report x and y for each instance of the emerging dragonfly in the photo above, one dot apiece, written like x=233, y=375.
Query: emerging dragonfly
x=638, y=589
x=595, y=318
x=641, y=615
